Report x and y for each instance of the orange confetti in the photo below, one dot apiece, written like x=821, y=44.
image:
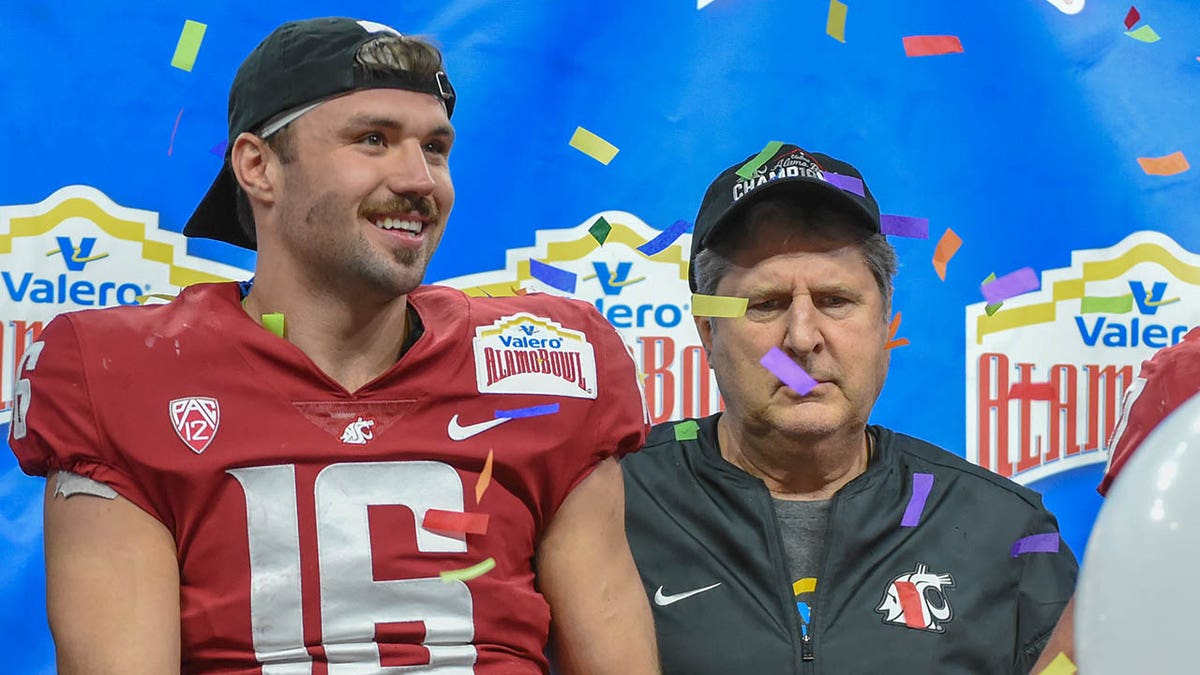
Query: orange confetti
x=485, y=478
x=932, y=45
x=893, y=328
x=946, y=248
x=1168, y=165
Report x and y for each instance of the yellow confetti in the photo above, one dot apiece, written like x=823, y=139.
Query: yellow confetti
x=1061, y=665
x=805, y=585
x=189, y=45
x=485, y=478
x=273, y=323
x=472, y=572
x=718, y=305
x=835, y=25
x=593, y=146
x=1143, y=34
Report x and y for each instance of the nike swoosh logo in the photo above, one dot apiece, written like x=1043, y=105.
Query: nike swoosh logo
x=662, y=600
x=461, y=433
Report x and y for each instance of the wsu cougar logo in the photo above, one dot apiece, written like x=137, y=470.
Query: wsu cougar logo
x=358, y=432
x=918, y=600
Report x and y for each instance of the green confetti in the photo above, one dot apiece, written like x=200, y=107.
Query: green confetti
x=994, y=307
x=472, y=572
x=1120, y=304
x=273, y=323
x=600, y=229
x=189, y=45
x=761, y=158
x=1143, y=34
x=686, y=430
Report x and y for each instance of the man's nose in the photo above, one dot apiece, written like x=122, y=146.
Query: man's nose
x=803, y=332
x=409, y=169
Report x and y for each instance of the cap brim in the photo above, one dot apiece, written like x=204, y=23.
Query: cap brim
x=215, y=216
x=796, y=186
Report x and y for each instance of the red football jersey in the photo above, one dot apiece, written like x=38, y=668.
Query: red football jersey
x=313, y=523
x=1166, y=381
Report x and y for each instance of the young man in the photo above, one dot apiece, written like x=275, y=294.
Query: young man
x=786, y=535
x=1167, y=380
x=331, y=468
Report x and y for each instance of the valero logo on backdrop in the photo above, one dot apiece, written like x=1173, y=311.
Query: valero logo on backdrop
x=1046, y=373
x=645, y=297
x=77, y=249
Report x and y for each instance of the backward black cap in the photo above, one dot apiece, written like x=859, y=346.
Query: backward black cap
x=298, y=64
x=791, y=170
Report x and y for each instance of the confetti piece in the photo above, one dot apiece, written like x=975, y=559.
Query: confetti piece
x=145, y=299
x=485, y=478
x=805, y=613
x=701, y=4
x=593, y=146
x=1131, y=18
x=189, y=45
x=219, y=149
x=994, y=307
x=1144, y=34
x=1033, y=391
x=532, y=411
x=893, y=328
x=472, y=572
x=686, y=430
x=835, y=24
x=947, y=246
x=747, y=170
x=904, y=226
x=664, y=238
x=1121, y=304
x=1010, y=285
x=1036, y=543
x=455, y=521
x=600, y=229
x=788, y=371
x=922, y=483
x=805, y=585
x=911, y=603
x=1060, y=665
x=847, y=183
x=273, y=323
x=718, y=306
x=932, y=45
x=1168, y=165
x=171, y=145
x=552, y=276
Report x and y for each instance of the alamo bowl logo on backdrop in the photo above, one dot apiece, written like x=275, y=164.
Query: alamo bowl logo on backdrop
x=1046, y=372
x=645, y=297
x=78, y=250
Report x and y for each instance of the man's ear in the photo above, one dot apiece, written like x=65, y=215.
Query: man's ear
x=251, y=161
x=704, y=327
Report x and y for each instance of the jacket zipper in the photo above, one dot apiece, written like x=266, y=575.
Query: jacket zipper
x=806, y=646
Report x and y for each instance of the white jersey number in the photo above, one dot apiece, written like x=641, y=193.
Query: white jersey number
x=352, y=601
x=23, y=391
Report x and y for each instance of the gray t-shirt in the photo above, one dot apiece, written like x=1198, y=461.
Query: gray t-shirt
x=802, y=525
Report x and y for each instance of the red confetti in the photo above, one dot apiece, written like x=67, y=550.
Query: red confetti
x=932, y=45
x=1132, y=17
x=454, y=521
x=1034, y=391
x=892, y=330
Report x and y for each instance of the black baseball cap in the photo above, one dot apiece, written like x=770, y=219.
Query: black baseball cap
x=789, y=170
x=300, y=64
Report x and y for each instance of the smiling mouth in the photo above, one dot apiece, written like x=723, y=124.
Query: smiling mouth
x=405, y=224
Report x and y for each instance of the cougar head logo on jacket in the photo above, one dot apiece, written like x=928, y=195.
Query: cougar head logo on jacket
x=918, y=600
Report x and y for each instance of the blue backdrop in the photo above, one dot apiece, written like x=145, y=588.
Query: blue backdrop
x=1025, y=144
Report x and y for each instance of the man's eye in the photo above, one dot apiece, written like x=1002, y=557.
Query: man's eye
x=766, y=305
x=373, y=138
x=438, y=147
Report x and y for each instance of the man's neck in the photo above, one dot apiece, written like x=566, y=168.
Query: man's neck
x=793, y=468
x=353, y=342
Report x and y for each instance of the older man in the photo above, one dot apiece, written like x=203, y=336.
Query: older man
x=786, y=535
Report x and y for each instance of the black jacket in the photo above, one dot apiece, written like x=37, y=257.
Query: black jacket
x=695, y=520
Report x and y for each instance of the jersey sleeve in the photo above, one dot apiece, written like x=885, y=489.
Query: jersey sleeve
x=618, y=422
x=1046, y=584
x=54, y=425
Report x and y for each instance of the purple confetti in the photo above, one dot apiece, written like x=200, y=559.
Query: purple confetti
x=847, y=183
x=1010, y=285
x=788, y=371
x=1036, y=543
x=219, y=148
x=533, y=411
x=553, y=276
x=921, y=484
x=664, y=238
x=904, y=226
